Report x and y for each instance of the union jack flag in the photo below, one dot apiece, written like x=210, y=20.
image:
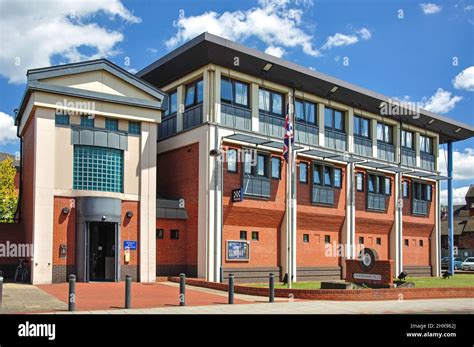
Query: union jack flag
x=288, y=135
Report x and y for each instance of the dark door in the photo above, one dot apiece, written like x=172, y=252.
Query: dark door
x=102, y=251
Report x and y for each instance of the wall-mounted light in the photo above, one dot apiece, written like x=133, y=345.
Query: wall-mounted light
x=104, y=218
x=215, y=153
x=431, y=121
x=333, y=89
x=62, y=251
x=65, y=210
x=129, y=214
x=267, y=67
x=457, y=130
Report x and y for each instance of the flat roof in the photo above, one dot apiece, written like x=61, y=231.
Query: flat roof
x=210, y=49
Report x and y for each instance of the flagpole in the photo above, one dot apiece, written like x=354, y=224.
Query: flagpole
x=288, y=198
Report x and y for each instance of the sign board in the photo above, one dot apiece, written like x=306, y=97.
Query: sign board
x=238, y=250
x=130, y=245
x=373, y=277
x=455, y=250
x=237, y=195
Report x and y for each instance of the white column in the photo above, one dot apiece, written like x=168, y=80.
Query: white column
x=435, y=239
x=254, y=105
x=148, y=203
x=217, y=96
x=43, y=197
x=396, y=234
x=350, y=130
x=348, y=231
x=321, y=124
x=180, y=112
x=396, y=142
x=417, y=149
x=206, y=100
x=373, y=130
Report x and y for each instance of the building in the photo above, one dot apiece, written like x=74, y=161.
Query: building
x=463, y=227
x=146, y=178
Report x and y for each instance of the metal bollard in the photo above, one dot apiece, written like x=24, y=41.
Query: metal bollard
x=72, y=293
x=271, y=287
x=128, y=291
x=182, y=290
x=1, y=291
x=231, y=288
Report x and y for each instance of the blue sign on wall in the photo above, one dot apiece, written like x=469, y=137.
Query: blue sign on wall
x=237, y=250
x=130, y=245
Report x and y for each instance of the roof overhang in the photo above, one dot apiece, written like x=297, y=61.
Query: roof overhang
x=211, y=49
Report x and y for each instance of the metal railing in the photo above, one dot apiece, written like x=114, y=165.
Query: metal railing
x=335, y=139
x=408, y=157
x=427, y=161
x=307, y=134
x=236, y=117
x=192, y=117
x=167, y=127
x=363, y=146
x=385, y=151
x=271, y=125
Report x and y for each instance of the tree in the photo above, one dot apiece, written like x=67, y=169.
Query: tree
x=8, y=198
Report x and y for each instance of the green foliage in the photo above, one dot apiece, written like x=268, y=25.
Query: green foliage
x=8, y=198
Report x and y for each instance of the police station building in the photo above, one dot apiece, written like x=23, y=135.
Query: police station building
x=179, y=169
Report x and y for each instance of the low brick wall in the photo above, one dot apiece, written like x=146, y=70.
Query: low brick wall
x=383, y=268
x=342, y=294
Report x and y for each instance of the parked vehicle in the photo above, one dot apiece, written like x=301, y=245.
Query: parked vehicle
x=468, y=264
x=457, y=263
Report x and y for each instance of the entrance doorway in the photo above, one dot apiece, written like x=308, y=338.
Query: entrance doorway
x=102, y=251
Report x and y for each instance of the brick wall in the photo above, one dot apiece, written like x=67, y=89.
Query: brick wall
x=384, y=268
x=130, y=230
x=171, y=255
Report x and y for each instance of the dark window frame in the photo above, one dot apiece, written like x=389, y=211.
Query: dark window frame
x=404, y=139
x=139, y=127
x=194, y=84
x=306, y=165
x=424, y=149
x=236, y=160
x=243, y=232
x=234, y=92
x=271, y=167
x=85, y=118
x=174, y=234
x=378, y=241
x=255, y=236
x=405, y=184
x=380, y=187
x=359, y=120
x=385, y=140
x=360, y=174
x=271, y=111
x=111, y=124
x=327, y=239
x=158, y=231
x=333, y=120
x=324, y=166
x=305, y=116
x=168, y=112
x=305, y=238
x=59, y=116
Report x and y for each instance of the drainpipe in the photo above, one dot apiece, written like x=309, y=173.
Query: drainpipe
x=17, y=214
x=450, y=209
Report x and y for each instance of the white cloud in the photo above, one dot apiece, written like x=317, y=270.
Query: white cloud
x=278, y=23
x=339, y=39
x=35, y=32
x=7, y=129
x=459, y=196
x=430, y=8
x=463, y=163
x=469, y=8
x=465, y=79
x=440, y=102
x=275, y=51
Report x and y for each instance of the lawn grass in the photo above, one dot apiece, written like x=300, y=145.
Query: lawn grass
x=460, y=280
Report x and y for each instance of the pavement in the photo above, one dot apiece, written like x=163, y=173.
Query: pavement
x=162, y=298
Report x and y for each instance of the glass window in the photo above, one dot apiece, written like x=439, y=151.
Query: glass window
x=360, y=182
x=384, y=133
x=276, y=167
x=160, y=233
x=356, y=125
x=226, y=90
x=111, y=124
x=62, y=119
x=372, y=183
x=248, y=163
x=387, y=186
x=194, y=93
x=243, y=235
x=261, y=165
x=232, y=160
x=407, y=139
x=277, y=103
x=264, y=100
x=379, y=132
x=364, y=128
x=327, y=176
x=428, y=193
x=241, y=93
x=361, y=240
x=333, y=119
x=305, y=111
x=337, y=178
x=327, y=239
x=338, y=120
x=174, y=234
x=405, y=192
x=200, y=91
x=134, y=128
x=303, y=172
x=87, y=121
x=305, y=238
x=310, y=112
x=190, y=91
x=98, y=168
x=317, y=175
x=173, y=103
x=234, y=92
x=271, y=102
x=379, y=241
x=426, y=144
x=299, y=110
x=255, y=235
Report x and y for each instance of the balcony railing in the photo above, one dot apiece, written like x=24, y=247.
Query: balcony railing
x=307, y=134
x=419, y=207
x=363, y=146
x=334, y=139
x=192, y=117
x=256, y=186
x=167, y=127
x=408, y=157
x=427, y=161
x=376, y=202
x=323, y=195
x=385, y=151
x=236, y=117
x=271, y=125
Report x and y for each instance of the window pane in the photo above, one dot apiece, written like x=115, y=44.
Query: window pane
x=365, y=127
x=371, y=183
x=423, y=143
x=200, y=91
x=317, y=174
x=428, y=193
x=277, y=103
x=87, y=122
x=310, y=112
x=387, y=186
x=405, y=189
x=173, y=103
x=337, y=178
x=338, y=120
x=248, y=163
x=328, y=121
x=327, y=176
x=379, y=132
x=429, y=147
x=261, y=165
x=388, y=133
x=275, y=167
x=62, y=119
x=299, y=110
x=111, y=124
x=241, y=93
x=357, y=126
x=303, y=172
x=189, y=95
x=134, y=128
x=409, y=140
x=226, y=90
x=360, y=181
x=264, y=100
x=232, y=160
x=380, y=185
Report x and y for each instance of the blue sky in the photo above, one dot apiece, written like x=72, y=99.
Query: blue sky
x=407, y=49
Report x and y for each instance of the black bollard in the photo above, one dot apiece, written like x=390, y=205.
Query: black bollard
x=271, y=287
x=231, y=288
x=128, y=291
x=72, y=293
x=182, y=290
